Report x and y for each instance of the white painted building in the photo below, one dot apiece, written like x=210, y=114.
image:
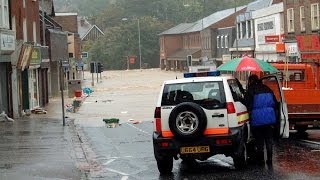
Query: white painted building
x=269, y=30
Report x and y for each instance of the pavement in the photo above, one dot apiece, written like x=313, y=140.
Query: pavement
x=40, y=147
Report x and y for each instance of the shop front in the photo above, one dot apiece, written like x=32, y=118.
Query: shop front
x=33, y=78
x=7, y=47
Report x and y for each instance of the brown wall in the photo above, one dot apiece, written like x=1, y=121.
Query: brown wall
x=68, y=23
x=295, y=4
x=172, y=43
x=31, y=13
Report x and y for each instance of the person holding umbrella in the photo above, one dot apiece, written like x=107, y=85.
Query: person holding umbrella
x=261, y=104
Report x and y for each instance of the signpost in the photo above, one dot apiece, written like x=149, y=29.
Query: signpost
x=63, y=65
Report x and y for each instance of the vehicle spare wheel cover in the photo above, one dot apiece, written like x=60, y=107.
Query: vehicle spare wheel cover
x=187, y=121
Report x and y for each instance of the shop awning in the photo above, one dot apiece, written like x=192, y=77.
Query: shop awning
x=181, y=55
x=25, y=56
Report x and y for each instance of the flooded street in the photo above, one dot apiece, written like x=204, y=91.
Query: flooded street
x=126, y=152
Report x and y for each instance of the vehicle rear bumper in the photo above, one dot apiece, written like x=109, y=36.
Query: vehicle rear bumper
x=233, y=137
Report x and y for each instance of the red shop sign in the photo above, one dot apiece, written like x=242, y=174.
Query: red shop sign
x=271, y=39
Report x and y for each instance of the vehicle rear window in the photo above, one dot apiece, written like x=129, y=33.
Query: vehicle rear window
x=209, y=95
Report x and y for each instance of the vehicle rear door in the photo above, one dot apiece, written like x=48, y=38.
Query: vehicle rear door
x=273, y=82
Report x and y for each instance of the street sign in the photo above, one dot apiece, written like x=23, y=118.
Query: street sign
x=84, y=55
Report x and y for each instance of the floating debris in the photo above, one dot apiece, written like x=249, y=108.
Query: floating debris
x=111, y=123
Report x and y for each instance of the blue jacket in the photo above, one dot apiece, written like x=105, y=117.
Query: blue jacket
x=261, y=104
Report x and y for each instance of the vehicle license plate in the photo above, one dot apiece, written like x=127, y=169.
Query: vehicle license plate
x=195, y=149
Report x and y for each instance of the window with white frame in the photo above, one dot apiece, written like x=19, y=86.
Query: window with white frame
x=34, y=30
x=221, y=41
x=302, y=19
x=4, y=14
x=226, y=42
x=249, y=29
x=244, y=29
x=239, y=31
x=290, y=17
x=218, y=42
x=315, y=16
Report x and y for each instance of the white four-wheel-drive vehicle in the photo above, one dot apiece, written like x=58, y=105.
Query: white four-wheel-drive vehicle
x=198, y=117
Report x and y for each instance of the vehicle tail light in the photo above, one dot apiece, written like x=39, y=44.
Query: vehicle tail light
x=157, y=117
x=165, y=144
x=230, y=108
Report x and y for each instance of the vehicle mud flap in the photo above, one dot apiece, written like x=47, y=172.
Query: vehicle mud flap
x=198, y=116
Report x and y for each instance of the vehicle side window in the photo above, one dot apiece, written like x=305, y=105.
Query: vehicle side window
x=292, y=75
x=236, y=90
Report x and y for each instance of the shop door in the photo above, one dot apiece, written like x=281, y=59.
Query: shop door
x=34, y=88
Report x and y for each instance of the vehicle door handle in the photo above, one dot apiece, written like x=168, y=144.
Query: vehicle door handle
x=218, y=115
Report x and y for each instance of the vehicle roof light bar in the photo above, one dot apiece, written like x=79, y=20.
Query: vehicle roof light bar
x=201, y=74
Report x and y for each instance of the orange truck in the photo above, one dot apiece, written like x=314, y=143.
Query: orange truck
x=301, y=87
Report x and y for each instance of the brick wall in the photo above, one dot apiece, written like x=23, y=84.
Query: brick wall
x=295, y=4
x=31, y=13
x=68, y=23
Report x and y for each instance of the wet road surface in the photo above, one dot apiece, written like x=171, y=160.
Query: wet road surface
x=126, y=152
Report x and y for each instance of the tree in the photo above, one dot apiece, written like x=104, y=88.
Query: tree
x=122, y=41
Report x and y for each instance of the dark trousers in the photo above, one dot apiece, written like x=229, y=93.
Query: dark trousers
x=263, y=135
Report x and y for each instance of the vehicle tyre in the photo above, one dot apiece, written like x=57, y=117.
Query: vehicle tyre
x=302, y=129
x=187, y=121
x=165, y=165
x=240, y=157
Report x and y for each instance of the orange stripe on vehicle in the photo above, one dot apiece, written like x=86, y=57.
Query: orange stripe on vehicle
x=242, y=117
x=212, y=131
x=167, y=134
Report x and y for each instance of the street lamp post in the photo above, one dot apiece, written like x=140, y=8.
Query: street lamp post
x=139, y=41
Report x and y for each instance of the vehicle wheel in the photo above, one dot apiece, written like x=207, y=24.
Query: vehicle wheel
x=240, y=158
x=301, y=129
x=187, y=121
x=165, y=165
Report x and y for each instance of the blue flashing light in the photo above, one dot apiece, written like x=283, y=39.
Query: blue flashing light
x=214, y=73
x=201, y=74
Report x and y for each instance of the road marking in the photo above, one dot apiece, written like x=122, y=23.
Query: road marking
x=124, y=177
x=312, y=142
x=139, y=129
x=315, y=150
x=118, y=172
x=109, y=161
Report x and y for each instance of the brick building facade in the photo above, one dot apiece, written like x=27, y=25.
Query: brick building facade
x=302, y=29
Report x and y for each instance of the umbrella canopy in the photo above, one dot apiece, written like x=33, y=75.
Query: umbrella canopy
x=247, y=64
